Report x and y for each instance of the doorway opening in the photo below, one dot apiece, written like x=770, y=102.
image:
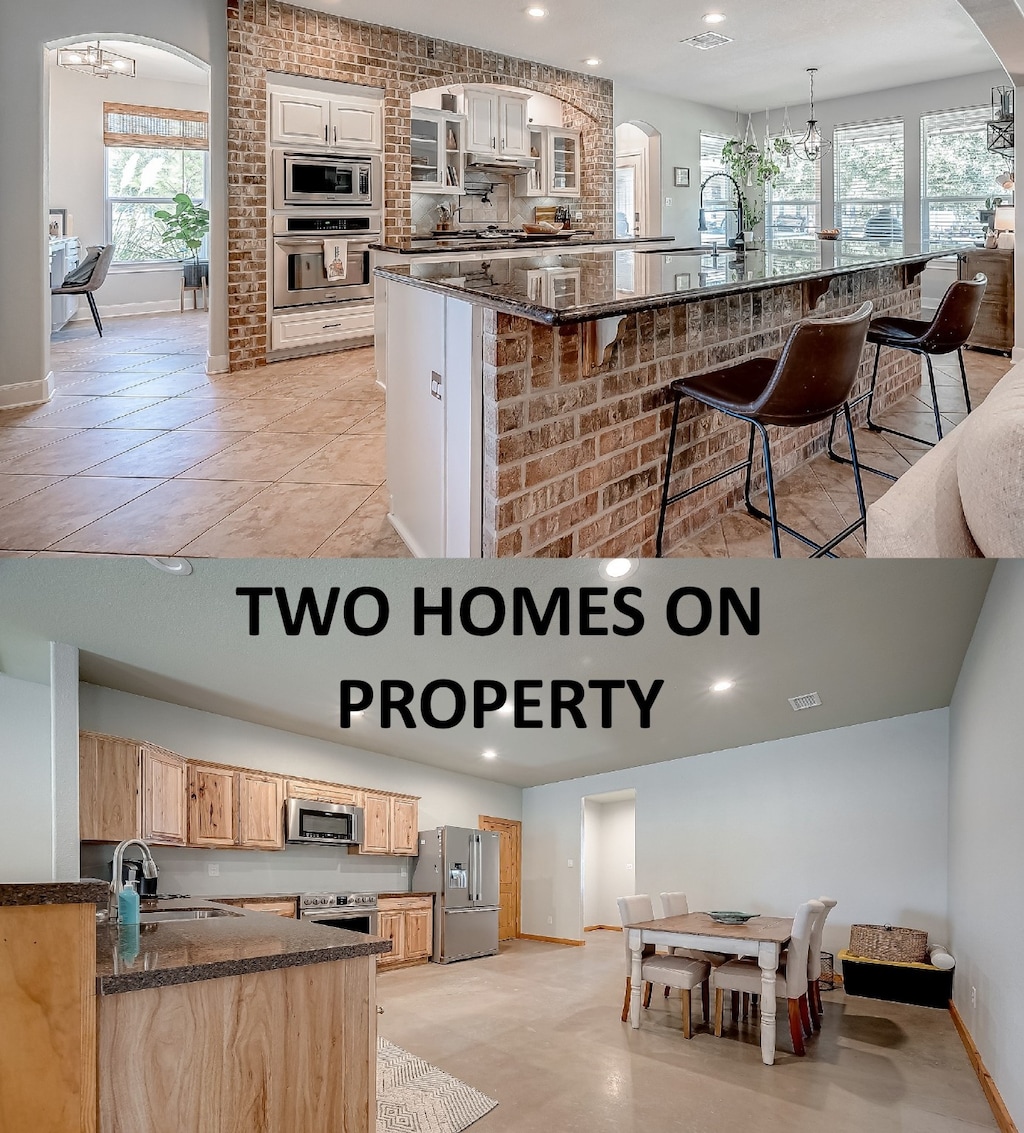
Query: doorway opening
x=609, y=846
x=637, y=180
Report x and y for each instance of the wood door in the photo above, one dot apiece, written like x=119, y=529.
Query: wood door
x=404, y=826
x=165, y=794
x=260, y=811
x=109, y=788
x=510, y=873
x=211, y=806
x=418, y=930
x=515, y=127
x=391, y=926
x=376, y=833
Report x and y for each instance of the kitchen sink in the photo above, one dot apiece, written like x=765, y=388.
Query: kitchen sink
x=184, y=915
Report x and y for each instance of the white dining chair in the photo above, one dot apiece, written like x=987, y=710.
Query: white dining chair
x=791, y=980
x=672, y=971
x=814, y=963
x=676, y=905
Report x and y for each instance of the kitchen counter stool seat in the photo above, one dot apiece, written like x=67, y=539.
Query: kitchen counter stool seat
x=810, y=382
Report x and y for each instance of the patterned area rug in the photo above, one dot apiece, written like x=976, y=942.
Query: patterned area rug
x=415, y=1097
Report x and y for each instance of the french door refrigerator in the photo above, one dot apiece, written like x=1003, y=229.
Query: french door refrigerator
x=461, y=867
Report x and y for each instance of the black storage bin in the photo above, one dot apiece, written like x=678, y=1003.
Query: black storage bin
x=919, y=984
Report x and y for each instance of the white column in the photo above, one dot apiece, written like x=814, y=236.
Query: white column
x=64, y=760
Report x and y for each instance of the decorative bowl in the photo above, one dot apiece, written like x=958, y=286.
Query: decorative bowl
x=728, y=916
x=829, y=234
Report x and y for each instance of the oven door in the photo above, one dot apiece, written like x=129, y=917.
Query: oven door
x=358, y=920
x=312, y=179
x=300, y=275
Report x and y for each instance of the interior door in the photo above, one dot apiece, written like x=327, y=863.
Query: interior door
x=630, y=196
x=509, y=874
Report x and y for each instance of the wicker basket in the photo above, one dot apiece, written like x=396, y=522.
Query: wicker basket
x=884, y=942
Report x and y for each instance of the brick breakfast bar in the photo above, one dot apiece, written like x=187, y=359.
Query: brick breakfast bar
x=528, y=410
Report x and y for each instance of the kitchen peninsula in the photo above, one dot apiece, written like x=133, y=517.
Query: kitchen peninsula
x=528, y=409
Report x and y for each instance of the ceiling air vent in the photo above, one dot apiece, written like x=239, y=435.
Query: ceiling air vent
x=706, y=40
x=807, y=700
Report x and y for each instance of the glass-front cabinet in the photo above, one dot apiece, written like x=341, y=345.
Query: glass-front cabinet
x=438, y=152
x=534, y=183
x=564, y=163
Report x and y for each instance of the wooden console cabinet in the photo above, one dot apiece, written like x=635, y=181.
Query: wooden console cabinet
x=994, y=328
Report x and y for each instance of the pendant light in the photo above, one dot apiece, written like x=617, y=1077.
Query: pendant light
x=813, y=144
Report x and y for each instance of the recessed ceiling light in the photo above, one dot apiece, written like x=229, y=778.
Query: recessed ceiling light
x=489, y=754
x=723, y=686
x=617, y=569
x=714, y=18
x=593, y=61
x=170, y=565
x=536, y=13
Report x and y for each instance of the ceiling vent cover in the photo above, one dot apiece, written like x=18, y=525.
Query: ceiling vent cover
x=707, y=39
x=806, y=700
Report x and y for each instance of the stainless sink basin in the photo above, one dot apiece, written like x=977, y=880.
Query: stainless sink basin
x=184, y=915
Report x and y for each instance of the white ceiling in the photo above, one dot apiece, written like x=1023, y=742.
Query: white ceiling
x=875, y=639
x=153, y=63
x=866, y=46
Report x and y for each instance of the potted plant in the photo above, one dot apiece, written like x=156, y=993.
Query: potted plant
x=187, y=227
x=754, y=168
x=987, y=215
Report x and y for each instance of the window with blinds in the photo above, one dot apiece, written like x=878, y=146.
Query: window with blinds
x=869, y=180
x=721, y=225
x=958, y=175
x=153, y=127
x=793, y=198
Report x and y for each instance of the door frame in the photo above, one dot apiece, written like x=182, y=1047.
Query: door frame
x=515, y=828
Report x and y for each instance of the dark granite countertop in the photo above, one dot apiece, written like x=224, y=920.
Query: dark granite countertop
x=177, y=952
x=423, y=246
x=584, y=285
x=85, y=892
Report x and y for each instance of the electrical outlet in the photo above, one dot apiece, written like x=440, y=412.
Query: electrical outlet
x=569, y=863
x=629, y=865
x=551, y=920
x=213, y=870
x=668, y=202
x=974, y=997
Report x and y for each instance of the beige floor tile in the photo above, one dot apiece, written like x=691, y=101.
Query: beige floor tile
x=250, y=414
x=94, y=413
x=324, y=415
x=303, y=386
x=364, y=536
x=97, y=385
x=79, y=452
x=286, y=520
x=36, y=522
x=35, y=416
x=346, y=460
x=16, y=487
x=173, y=413
x=168, y=455
x=175, y=385
x=374, y=423
x=264, y=456
x=17, y=441
x=162, y=522
x=166, y=364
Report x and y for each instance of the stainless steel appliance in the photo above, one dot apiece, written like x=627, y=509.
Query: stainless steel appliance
x=461, y=866
x=325, y=179
x=355, y=911
x=300, y=265
x=323, y=824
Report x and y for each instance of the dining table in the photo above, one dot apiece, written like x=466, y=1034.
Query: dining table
x=762, y=938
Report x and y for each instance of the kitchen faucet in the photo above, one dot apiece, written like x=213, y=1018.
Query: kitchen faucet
x=738, y=209
x=117, y=868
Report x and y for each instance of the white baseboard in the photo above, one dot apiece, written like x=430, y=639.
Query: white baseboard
x=1017, y=354
x=119, y=310
x=217, y=363
x=17, y=394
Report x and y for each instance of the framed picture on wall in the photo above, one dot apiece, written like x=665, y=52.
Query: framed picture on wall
x=683, y=282
x=682, y=177
x=58, y=223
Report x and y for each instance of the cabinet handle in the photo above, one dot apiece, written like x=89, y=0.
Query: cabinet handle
x=327, y=139
x=335, y=135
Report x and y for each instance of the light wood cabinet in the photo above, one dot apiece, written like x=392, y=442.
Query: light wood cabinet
x=110, y=788
x=994, y=327
x=212, y=811
x=390, y=927
x=260, y=811
x=417, y=930
x=323, y=792
x=404, y=826
x=391, y=823
x=408, y=922
x=165, y=790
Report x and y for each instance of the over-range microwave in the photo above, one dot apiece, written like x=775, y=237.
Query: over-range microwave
x=323, y=824
x=319, y=179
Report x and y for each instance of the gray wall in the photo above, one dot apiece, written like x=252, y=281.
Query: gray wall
x=447, y=798
x=26, y=823
x=197, y=27
x=986, y=834
x=859, y=814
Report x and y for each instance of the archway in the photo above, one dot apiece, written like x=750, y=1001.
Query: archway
x=637, y=179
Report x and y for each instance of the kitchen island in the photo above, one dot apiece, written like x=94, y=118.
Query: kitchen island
x=528, y=406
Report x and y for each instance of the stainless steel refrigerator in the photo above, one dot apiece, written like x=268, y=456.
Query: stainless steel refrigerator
x=461, y=867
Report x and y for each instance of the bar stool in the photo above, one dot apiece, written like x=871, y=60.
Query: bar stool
x=949, y=330
x=810, y=382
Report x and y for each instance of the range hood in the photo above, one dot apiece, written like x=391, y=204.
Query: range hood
x=492, y=163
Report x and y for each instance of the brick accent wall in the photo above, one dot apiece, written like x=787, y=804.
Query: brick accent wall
x=574, y=461
x=264, y=35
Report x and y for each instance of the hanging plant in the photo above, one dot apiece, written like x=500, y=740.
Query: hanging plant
x=754, y=168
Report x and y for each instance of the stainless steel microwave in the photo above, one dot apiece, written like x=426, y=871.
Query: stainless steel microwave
x=323, y=824
x=325, y=179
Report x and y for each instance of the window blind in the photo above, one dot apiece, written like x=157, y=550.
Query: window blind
x=869, y=179
x=154, y=127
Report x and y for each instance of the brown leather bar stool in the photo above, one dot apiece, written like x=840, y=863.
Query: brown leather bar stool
x=810, y=382
x=949, y=330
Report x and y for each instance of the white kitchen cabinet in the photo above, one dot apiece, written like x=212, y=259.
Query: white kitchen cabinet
x=438, y=161
x=535, y=182
x=563, y=163
x=318, y=121
x=498, y=123
x=357, y=124
x=314, y=328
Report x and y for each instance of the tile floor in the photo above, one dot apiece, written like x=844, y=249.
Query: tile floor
x=537, y=1028
x=140, y=452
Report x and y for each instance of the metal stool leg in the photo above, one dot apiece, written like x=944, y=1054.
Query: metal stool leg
x=668, y=477
x=772, y=516
x=95, y=312
x=871, y=393
x=963, y=377
x=935, y=396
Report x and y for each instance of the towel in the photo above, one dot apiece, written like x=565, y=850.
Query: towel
x=336, y=260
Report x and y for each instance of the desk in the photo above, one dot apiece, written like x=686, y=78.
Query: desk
x=64, y=256
x=763, y=939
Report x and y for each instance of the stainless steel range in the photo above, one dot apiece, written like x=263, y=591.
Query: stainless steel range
x=355, y=911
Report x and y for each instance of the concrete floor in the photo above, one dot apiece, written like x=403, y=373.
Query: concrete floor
x=538, y=1029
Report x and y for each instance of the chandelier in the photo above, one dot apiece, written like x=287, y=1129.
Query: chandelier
x=96, y=60
x=814, y=146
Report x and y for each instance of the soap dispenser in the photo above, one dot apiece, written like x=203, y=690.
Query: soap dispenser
x=128, y=904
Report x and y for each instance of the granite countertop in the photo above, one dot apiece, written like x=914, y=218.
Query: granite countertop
x=131, y=958
x=423, y=246
x=385, y=896
x=87, y=892
x=601, y=283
